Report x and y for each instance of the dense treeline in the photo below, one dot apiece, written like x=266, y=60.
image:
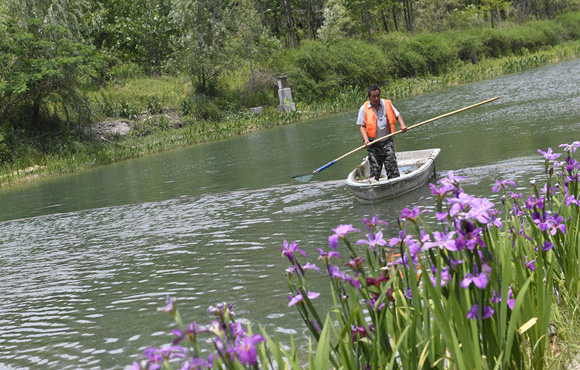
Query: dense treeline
x=55, y=56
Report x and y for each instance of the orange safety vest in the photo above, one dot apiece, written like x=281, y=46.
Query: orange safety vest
x=371, y=118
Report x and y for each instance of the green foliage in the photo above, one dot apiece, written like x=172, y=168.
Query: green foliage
x=150, y=125
x=424, y=54
x=136, y=31
x=125, y=71
x=260, y=90
x=571, y=24
x=43, y=67
x=201, y=108
x=336, y=21
x=319, y=69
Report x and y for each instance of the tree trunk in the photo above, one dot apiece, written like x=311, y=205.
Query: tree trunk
x=310, y=26
x=290, y=23
x=367, y=23
x=35, y=119
x=385, y=22
x=409, y=17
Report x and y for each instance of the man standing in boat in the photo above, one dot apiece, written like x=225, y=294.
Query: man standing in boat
x=377, y=118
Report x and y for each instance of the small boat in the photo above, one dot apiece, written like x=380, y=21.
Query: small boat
x=416, y=168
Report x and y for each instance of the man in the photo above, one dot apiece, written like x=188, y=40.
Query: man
x=377, y=118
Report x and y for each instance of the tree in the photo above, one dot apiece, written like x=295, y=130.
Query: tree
x=495, y=8
x=138, y=31
x=69, y=14
x=40, y=68
x=336, y=21
x=204, y=47
x=251, y=41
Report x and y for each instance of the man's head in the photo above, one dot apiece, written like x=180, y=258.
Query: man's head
x=374, y=93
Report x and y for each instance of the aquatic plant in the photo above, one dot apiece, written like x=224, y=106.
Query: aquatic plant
x=465, y=287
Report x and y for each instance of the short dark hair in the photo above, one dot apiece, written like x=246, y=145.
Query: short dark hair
x=373, y=88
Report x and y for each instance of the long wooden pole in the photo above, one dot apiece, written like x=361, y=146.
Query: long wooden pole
x=308, y=176
x=414, y=126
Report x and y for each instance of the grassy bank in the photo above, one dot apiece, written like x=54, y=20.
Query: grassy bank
x=160, y=127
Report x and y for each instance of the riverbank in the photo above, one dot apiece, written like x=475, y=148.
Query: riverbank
x=163, y=129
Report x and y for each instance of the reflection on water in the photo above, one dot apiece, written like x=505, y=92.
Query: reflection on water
x=80, y=287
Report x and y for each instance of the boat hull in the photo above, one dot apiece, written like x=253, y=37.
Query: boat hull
x=416, y=168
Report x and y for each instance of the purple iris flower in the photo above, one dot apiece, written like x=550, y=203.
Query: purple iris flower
x=405, y=260
x=299, y=298
x=454, y=262
x=480, y=210
x=170, y=305
x=403, y=238
x=547, y=246
x=468, y=237
x=311, y=266
x=195, y=363
x=459, y=203
x=511, y=301
x=479, y=279
x=549, y=155
x=496, y=298
x=571, y=165
x=570, y=199
x=355, y=263
x=327, y=256
x=158, y=355
x=570, y=147
x=534, y=202
x=340, y=232
x=372, y=224
x=442, y=216
x=473, y=313
x=442, y=191
x=445, y=276
x=516, y=195
x=531, y=265
x=360, y=332
x=373, y=240
x=413, y=214
x=551, y=223
x=451, y=179
x=442, y=240
x=335, y=272
x=289, y=249
x=502, y=184
x=414, y=248
x=190, y=332
x=355, y=283
x=246, y=349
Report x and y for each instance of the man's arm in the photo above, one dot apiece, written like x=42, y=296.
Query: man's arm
x=402, y=123
x=363, y=132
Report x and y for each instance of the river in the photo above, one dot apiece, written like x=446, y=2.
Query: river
x=87, y=258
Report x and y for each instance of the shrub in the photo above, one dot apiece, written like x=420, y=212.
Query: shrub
x=571, y=25
x=469, y=47
x=201, y=107
x=495, y=42
x=319, y=69
x=260, y=90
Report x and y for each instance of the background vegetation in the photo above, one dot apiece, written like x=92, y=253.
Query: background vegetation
x=196, y=66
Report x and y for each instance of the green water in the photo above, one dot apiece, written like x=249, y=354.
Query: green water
x=87, y=258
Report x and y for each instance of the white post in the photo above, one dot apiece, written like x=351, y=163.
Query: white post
x=285, y=96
